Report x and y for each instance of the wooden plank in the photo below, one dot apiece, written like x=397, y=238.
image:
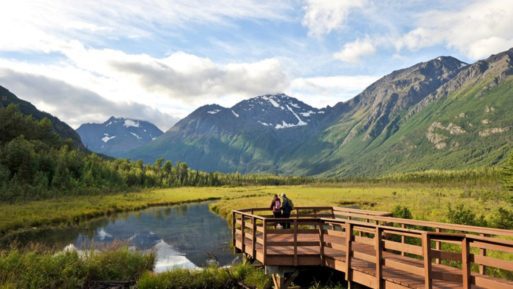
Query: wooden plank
x=444, y=255
x=489, y=246
x=426, y=248
x=403, y=248
x=396, y=264
x=493, y=262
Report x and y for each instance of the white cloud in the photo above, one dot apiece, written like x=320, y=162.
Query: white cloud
x=46, y=25
x=324, y=16
x=76, y=105
x=352, y=52
x=477, y=30
x=323, y=91
x=190, y=78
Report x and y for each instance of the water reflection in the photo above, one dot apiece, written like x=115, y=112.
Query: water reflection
x=183, y=236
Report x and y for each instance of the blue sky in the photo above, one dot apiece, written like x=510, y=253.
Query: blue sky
x=159, y=60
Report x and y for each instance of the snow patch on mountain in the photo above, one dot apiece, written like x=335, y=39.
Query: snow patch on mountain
x=106, y=138
x=134, y=134
x=235, y=114
x=131, y=123
x=214, y=111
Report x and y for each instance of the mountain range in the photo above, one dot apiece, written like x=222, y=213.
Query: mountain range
x=439, y=114
x=117, y=135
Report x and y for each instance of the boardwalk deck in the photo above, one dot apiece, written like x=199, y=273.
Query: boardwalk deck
x=384, y=252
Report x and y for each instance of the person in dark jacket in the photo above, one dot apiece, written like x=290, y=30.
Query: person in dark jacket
x=276, y=206
x=286, y=208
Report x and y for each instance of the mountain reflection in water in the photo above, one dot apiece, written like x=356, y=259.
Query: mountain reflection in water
x=185, y=236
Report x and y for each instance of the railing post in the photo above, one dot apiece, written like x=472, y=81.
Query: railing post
x=295, y=243
x=321, y=241
x=243, y=229
x=379, y=257
x=265, y=242
x=482, y=252
x=349, y=237
x=234, y=224
x=465, y=263
x=438, y=246
x=403, y=239
x=426, y=252
x=254, y=236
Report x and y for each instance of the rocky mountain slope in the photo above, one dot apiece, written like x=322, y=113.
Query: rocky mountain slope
x=442, y=113
x=117, y=135
x=25, y=107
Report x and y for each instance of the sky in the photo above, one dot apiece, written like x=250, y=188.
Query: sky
x=158, y=60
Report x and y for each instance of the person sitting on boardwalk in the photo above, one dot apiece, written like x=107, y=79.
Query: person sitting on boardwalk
x=286, y=208
x=276, y=206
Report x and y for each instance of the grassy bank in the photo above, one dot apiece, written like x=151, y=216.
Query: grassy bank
x=428, y=202
x=73, y=210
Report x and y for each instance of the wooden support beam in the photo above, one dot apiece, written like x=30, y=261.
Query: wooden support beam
x=403, y=238
x=379, y=257
x=482, y=252
x=234, y=237
x=349, y=239
x=264, y=258
x=321, y=243
x=438, y=246
x=253, y=245
x=465, y=263
x=243, y=230
x=426, y=249
x=295, y=243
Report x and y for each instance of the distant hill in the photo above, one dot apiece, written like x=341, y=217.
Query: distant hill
x=25, y=107
x=117, y=135
x=439, y=114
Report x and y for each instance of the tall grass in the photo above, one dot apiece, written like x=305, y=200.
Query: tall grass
x=40, y=269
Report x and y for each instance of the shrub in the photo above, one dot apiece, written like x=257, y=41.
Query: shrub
x=464, y=216
x=402, y=212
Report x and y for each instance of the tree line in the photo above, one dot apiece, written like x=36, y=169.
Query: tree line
x=37, y=163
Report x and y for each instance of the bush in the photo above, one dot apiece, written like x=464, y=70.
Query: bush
x=464, y=216
x=502, y=219
x=402, y=212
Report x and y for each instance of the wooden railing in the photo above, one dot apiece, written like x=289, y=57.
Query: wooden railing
x=376, y=250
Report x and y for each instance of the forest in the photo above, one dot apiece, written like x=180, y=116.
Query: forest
x=36, y=163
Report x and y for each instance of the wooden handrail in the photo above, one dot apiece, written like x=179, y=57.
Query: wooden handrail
x=376, y=232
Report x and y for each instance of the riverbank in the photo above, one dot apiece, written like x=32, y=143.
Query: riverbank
x=426, y=202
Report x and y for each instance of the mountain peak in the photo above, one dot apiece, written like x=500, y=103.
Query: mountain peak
x=117, y=135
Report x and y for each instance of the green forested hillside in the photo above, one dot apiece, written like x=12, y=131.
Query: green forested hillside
x=36, y=162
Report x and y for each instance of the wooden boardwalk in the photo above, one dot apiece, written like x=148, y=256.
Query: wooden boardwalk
x=384, y=252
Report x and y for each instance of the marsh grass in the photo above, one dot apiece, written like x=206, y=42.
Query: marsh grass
x=40, y=268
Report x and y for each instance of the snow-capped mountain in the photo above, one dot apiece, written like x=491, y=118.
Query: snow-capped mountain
x=264, y=127
x=276, y=111
x=117, y=135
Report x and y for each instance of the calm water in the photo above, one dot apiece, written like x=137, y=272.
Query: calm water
x=185, y=236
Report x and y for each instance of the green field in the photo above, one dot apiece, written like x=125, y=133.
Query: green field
x=426, y=202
